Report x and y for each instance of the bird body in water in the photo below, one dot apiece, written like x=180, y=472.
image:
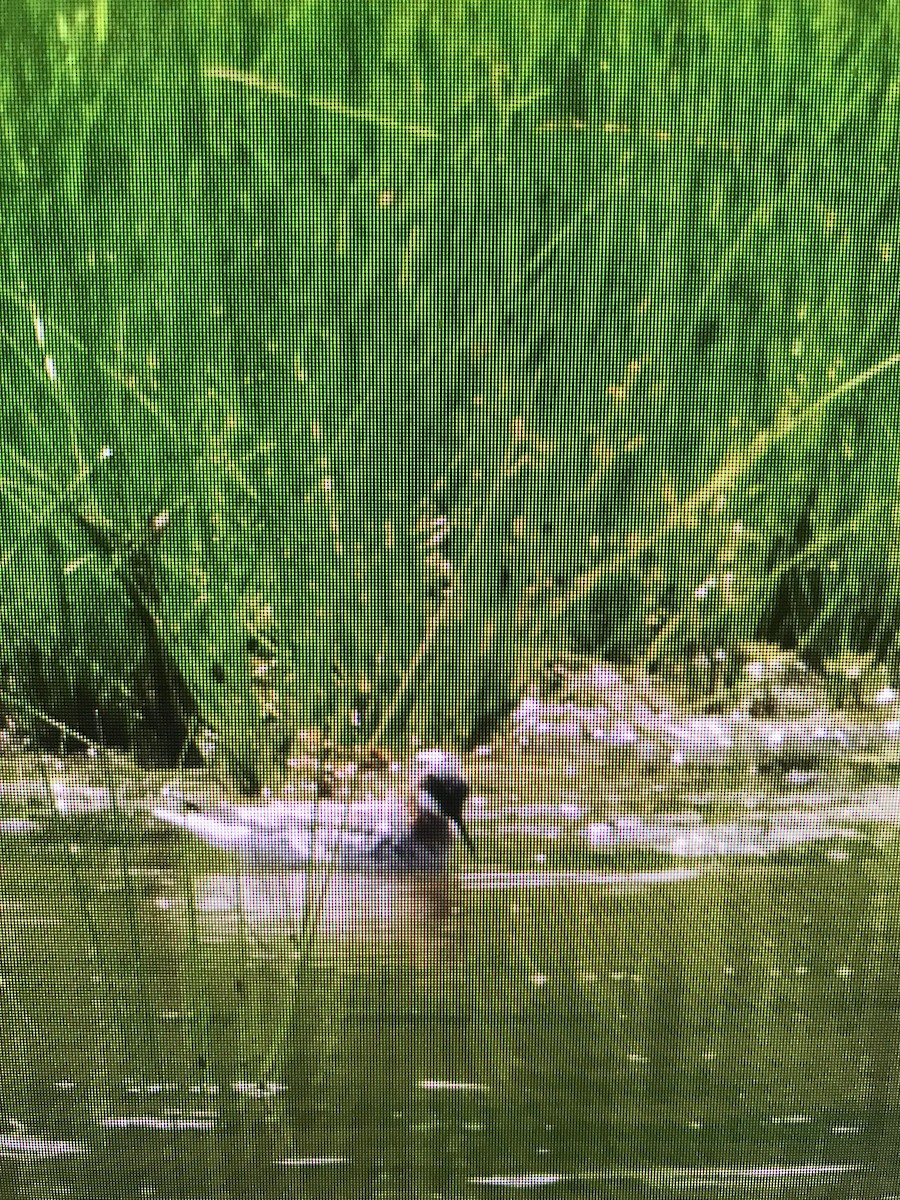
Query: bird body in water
x=384, y=834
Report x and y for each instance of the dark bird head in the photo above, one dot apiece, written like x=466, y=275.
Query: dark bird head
x=444, y=789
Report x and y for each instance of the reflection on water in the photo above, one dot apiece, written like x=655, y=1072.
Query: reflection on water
x=689, y=836
x=339, y=902
x=18, y=1143
x=686, y=1179
x=567, y=879
x=642, y=987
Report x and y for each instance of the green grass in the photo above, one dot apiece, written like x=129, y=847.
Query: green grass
x=356, y=361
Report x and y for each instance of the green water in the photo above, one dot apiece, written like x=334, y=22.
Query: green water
x=583, y=1025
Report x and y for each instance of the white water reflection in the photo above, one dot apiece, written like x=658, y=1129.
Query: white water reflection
x=170, y=1124
x=682, y=1178
x=543, y=879
x=689, y=836
x=325, y=1160
x=339, y=902
x=26, y=1147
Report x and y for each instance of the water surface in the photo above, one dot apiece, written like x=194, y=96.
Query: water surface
x=641, y=987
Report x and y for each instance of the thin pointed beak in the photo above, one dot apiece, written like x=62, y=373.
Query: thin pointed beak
x=464, y=834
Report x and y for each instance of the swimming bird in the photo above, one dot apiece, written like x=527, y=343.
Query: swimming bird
x=388, y=833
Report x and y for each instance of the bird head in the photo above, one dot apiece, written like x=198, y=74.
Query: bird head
x=444, y=789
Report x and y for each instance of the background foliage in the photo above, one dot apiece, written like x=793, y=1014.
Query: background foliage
x=359, y=359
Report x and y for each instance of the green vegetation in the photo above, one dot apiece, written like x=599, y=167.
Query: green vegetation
x=357, y=360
